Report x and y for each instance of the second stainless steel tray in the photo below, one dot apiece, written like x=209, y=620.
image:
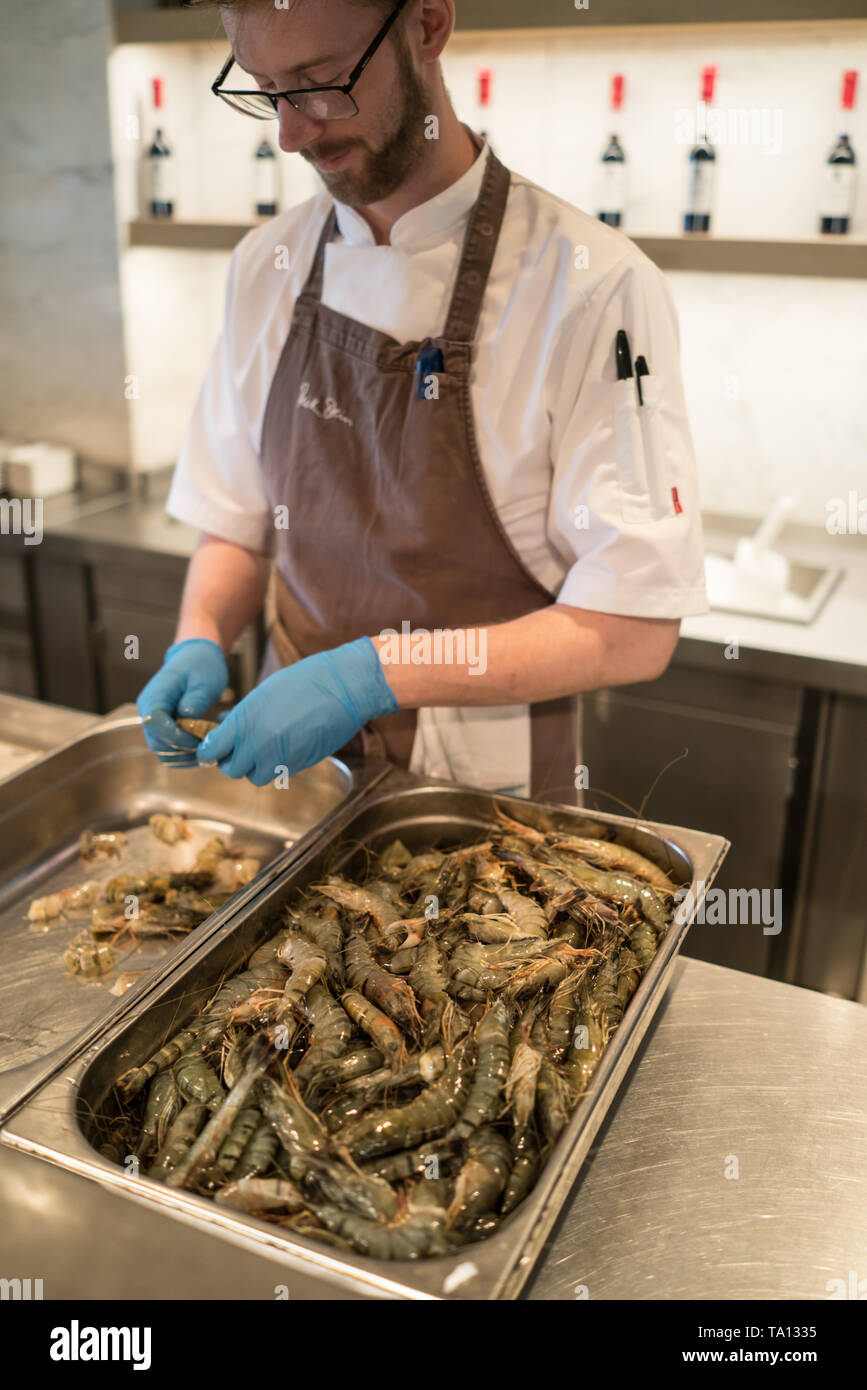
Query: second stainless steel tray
x=107, y=779
x=57, y=1123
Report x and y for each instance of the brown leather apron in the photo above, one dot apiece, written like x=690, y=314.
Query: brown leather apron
x=389, y=515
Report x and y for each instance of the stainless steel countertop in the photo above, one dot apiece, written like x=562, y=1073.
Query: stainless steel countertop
x=29, y=729
x=738, y=1074
x=733, y=1068
x=119, y=521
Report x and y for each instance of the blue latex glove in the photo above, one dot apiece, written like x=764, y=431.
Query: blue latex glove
x=193, y=676
x=301, y=714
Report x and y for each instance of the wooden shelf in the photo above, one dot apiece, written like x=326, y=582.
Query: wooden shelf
x=187, y=26
x=187, y=236
x=834, y=257
x=559, y=14
x=168, y=26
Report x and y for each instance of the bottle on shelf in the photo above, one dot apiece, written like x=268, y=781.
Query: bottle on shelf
x=160, y=164
x=701, y=166
x=485, y=80
x=838, y=194
x=612, y=180
x=267, y=179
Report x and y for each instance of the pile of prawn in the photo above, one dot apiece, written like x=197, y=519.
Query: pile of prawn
x=391, y=1071
x=144, y=904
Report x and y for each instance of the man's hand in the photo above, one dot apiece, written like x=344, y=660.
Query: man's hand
x=193, y=678
x=301, y=714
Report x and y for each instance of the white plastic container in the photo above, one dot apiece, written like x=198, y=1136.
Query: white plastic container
x=39, y=470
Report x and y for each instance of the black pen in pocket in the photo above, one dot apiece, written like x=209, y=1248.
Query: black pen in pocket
x=641, y=369
x=622, y=356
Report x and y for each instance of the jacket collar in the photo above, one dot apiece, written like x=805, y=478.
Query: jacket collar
x=430, y=223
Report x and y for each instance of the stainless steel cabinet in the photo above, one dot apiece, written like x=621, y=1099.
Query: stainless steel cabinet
x=130, y=643
x=739, y=739
x=63, y=607
x=122, y=677
x=17, y=658
x=832, y=940
x=88, y=608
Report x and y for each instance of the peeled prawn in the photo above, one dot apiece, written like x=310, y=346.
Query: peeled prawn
x=170, y=829
x=68, y=902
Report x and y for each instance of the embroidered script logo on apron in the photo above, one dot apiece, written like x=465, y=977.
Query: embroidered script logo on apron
x=330, y=411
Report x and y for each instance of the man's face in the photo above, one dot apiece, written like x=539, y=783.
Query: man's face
x=367, y=158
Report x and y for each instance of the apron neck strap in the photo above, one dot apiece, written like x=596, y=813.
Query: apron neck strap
x=315, y=279
x=480, y=244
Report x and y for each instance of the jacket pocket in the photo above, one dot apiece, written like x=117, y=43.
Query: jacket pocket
x=642, y=462
x=630, y=454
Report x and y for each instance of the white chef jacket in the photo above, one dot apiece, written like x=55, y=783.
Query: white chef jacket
x=598, y=498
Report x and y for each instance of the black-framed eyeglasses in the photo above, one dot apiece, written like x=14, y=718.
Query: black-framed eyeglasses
x=332, y=103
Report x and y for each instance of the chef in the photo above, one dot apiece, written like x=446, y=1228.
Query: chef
x=423, y=436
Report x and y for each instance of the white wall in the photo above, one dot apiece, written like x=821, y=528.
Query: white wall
x=61, y=334
x=774, y=366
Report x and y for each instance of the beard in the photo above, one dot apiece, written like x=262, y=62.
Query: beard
x=383, y=169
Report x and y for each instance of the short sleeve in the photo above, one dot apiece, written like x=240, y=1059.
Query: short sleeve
x=624, y=506
x=217, y=485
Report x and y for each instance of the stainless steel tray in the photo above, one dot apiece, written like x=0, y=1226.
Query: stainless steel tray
x=108, y=779
x=56, y=1124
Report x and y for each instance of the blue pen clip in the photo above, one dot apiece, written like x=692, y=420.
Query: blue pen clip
x=430, y=361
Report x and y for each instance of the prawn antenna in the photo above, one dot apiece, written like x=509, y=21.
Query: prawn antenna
x=638, y=812
x=680, y=757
